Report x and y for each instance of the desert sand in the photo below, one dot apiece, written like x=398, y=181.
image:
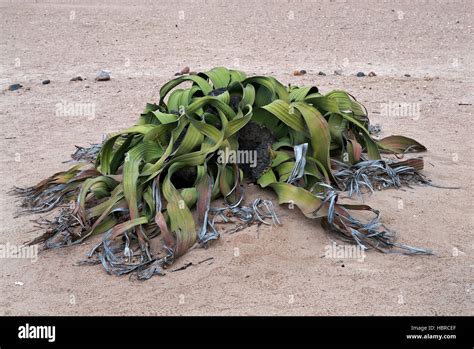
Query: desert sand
x=261, y=270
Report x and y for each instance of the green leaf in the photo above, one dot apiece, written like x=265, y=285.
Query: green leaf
x=307, y=202
x=284, y=112
x=400, y=144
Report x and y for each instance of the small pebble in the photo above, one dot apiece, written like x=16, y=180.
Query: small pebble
x=371, y=74
x=15, y=87
x=375, y=129
x=45, y=82
x=77, y=78
x=322, y=73
x=407, y=75
x=185, y=70
x=299, y=72
x=102, y=76
x=360, y=74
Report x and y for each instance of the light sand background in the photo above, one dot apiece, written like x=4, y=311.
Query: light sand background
x=278, y=270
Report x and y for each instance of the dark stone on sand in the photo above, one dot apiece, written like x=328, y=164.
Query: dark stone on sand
x=360, y=74
x=299, y=72
x=46, y=82
x=14, y=87
x=102, y=76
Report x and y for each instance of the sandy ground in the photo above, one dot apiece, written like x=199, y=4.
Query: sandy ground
x=266, y=270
